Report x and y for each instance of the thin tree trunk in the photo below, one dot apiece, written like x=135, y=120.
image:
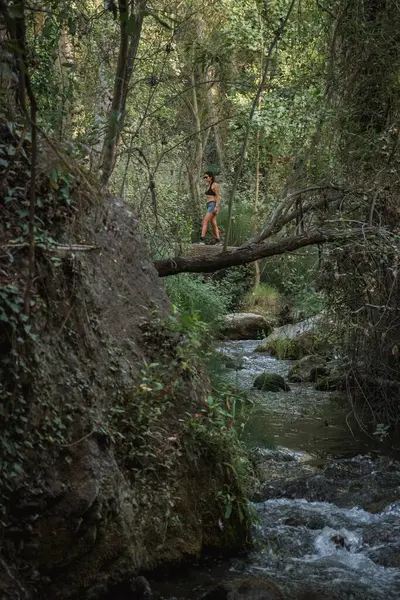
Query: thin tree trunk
x=130, y=32
x=194, y=196
x=255, y=204
x=256, y=197
x=66, y=62
x=135, y=35
x=110, y=141
x=198, y=138
x=211, y=92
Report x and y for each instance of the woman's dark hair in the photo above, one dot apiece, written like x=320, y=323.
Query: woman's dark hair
x=210, y=174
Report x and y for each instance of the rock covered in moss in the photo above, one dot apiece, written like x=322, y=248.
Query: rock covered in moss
x=332, y=378
x=270, y=382
x=233, y=362
x=308, y=369
x=88, y=506
x=293, y=341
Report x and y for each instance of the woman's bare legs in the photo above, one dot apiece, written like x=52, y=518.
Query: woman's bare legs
x=208, y=217
x=214, y=225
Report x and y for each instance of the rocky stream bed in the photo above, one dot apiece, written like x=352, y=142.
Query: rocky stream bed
x=328, y=510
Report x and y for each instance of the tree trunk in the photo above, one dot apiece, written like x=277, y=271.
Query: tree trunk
x=66, y=63
x=256, y=198
x=212, y=94
x=130, y=31
x=248, y=254
x=198, y=139
x=194, y=189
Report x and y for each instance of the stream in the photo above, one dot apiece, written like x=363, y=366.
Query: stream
x=328, y=511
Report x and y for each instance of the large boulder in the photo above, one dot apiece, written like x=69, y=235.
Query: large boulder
x=293, y=341
x=270, y=382
x=244, y=326
x=309, y=368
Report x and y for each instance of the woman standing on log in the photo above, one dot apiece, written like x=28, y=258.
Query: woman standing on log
x=213, y=197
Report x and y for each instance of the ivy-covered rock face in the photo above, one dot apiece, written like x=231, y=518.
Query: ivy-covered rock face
x=110, y=454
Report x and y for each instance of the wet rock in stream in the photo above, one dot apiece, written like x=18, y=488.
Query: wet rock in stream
x=308, y=368
x=271, y=382
x=360, y=481
x=245, y=589
x=333, y=527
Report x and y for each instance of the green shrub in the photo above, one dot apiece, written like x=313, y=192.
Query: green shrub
x=234, y=284
x=265, y=299
x=242, y=226
x=192, y=294
x=286, y=349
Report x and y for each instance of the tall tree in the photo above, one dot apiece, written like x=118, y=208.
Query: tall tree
x=131, y=15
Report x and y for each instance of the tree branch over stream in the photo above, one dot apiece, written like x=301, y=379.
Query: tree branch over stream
x=253, y=252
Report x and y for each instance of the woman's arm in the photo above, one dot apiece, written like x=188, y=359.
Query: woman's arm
x=217, y=196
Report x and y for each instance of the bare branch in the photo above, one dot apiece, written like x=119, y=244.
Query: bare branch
x=278, y=219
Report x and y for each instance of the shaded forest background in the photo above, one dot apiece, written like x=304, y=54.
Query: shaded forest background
x=294, y=105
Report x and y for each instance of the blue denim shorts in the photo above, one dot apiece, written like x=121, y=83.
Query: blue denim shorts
x=211, y=205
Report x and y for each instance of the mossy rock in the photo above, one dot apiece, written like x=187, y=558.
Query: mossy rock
x=244, y=326
x=308, y=368
x=233, y=362
x=286, y=349
x=270, y=382
x=293, y=341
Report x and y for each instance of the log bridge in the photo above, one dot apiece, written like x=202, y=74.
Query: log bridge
x=207, y=249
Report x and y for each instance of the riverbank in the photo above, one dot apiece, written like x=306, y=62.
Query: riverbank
x=327, y=513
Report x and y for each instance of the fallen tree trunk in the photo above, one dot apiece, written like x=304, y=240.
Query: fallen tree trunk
x=248, y=254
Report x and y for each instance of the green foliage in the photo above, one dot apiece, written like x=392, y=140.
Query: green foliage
x=194, y=294
x=242, y=225
x=17, y=436
x=212, y=434
x=150, y=442
x=135, y=425
x=233, y=284
x=294, y=277
x=265, y=299
x=382, y=432
x=287, y=349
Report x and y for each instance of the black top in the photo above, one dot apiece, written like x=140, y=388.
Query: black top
x=210, y=191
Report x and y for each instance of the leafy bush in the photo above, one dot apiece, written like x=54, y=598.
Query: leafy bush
x=242, y=226
x=234, y=284
x=193, y=294
x=294, y=278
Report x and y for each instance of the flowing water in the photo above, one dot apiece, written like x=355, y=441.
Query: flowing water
x=328, y=510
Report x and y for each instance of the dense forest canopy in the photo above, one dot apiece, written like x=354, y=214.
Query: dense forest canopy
x=293, y=104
